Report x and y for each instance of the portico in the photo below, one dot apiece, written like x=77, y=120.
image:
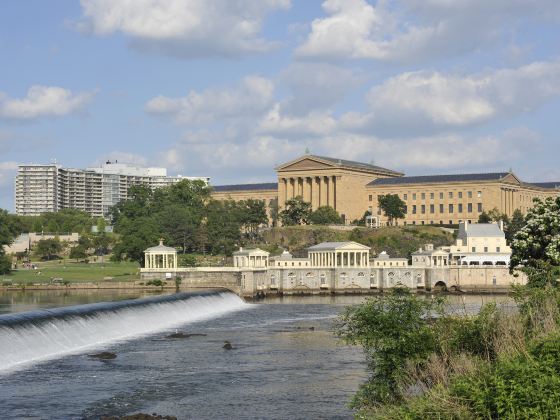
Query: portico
x=339, y=255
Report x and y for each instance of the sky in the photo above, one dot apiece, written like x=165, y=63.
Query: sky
x=231, y=88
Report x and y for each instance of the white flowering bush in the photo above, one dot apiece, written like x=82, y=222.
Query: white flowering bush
x=538, y=242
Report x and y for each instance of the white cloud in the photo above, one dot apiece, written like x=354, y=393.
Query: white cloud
x=433, y=101
x=417, y=29
x=253, y=96
x=43, y=101
x=314, y=123
x=185, y=27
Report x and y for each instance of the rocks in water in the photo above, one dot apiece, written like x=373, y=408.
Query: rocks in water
x=104, y=355
x=140, y=416
x=311, y=328
x=184, y=335
x=227, y=345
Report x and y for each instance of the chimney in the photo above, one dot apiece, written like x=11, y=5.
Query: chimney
x=501, y=224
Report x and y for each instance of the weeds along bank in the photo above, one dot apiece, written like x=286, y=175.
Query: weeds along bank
x=425, y=362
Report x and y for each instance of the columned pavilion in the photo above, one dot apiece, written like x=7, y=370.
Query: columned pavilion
x=339, y=255
x=160, y=257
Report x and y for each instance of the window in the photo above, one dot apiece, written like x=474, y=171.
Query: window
x=451, y=208
x=460, y=208
x=469, y=207
x=414, y=196
x=479, y=207
x=479, y=194
x=473, y=249
x=460, y=194
x=441, y=209
x=485, y=249
x=406, y=209
x=423, y=209
x=441, y=196
x=498, y=249
x=469, y=194
x=405, y=196
x=432, y=196
x=371, y=197
x=422, y=222
x=451, y=195
x=423, y=196
x=414, y=209
x=432, y=208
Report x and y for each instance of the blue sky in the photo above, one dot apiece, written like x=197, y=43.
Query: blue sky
x=231, y=88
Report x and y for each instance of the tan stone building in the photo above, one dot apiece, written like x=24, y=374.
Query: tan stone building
x=352, y=188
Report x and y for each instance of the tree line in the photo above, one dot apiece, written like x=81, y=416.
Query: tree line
x=186, y=217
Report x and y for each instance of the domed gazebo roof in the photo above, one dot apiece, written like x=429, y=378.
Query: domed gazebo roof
x=161, y=249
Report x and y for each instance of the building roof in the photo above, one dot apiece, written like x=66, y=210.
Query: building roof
x=161, y=248
x=551, y=185
x=331, y=246
x=250, y=251
x=246, y=187
x=480, y=230
x=436, y=179
x=356, y=165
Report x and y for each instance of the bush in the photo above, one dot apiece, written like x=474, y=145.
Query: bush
x=5, y=264
x=158, y=283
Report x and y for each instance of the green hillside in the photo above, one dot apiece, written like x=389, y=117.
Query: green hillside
x=397, y=241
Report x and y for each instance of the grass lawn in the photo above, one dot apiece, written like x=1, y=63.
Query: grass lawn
x=75, y=272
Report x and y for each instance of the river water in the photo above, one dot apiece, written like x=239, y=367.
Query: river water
x=286, y=364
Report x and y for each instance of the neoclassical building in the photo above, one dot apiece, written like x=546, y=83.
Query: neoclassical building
x=352, y=188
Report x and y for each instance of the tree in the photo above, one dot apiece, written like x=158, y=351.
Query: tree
x=78, y=253
x=137, y=234
x=223, y=226
x=48, y=248
x=325, y=215
x=393, y=207
x=496, y=215
x=537, y=243
x=253, y=214
x=274, y=211
x=297, y=212
x=516, y=224
x=484, y=218
x=179, y=225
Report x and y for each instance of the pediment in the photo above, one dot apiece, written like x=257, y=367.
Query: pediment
x=511, y=179
x=305, y=163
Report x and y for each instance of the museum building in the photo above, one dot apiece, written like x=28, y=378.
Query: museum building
x=352, y=188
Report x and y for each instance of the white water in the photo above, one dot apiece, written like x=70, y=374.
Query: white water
x=33, y=341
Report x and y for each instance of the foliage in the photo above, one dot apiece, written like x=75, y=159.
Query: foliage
x=137, y=234
x=393, y=207
x=5, y=264
x=393, y=331
x=78, y=253
x=325, y=215
x=496, y=215
x=187, y=260
x=537, y=243
x=63, y=222
x=484, y=218
x=496, y=364
x=157, y=283
x=49, y=248
x=515, y=225
x=296, y=212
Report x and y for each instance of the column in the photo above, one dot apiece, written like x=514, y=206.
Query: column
x=306, y=187
x=323, y=192
x=332, y=192
x=175, y=261
x=293, y=188
x=315, y=192
x=282, y=192
x=146, y=261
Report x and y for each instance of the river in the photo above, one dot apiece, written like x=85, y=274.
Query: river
x=285, y=364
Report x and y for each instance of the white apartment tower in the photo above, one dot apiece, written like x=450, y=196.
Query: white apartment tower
x=50, y=188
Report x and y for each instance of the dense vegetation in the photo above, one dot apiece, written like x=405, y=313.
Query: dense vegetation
x=425, y=362
x=186, y=217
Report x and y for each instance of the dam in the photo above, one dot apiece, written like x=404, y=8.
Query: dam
x=36, y=336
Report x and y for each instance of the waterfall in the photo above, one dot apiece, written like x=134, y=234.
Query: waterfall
x=35, y=336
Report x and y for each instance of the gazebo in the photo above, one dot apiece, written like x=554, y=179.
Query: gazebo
x=160, y=257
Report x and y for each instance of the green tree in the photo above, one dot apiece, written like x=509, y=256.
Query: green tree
x=516, y=224
x=252, y=214
x=223, y=226
x=484, y=218
x=101, y=225
x=137, y=234
x=274, y=211
x=297, y=212
x=393, y=207
x=496, y=215
x=537, y=243
x=179, y=224
x=49, y=248
x=78, y=253
x=325, y=215
x=394, y=332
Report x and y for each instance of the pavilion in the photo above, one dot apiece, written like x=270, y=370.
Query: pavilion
x=160, y=257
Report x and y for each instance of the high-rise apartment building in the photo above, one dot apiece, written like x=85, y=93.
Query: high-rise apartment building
x=50, y=188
